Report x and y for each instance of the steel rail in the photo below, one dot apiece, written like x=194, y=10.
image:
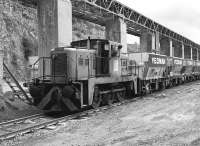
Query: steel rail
x=20, y=120
x=56, y=121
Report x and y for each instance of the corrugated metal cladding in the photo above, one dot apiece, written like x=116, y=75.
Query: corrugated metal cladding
x=59, y=65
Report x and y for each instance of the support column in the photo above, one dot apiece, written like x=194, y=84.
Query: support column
x=55, y=25
x=157, y=41
x=116, y=30
x=171, y=49
x=1, y=70
x=2, y=41
x=146, y=42
x=55, y=28
x=197, y=54
x=149, y=42
x=191, y=53
x=1, y=63
x=183, y=51
x=153, y=42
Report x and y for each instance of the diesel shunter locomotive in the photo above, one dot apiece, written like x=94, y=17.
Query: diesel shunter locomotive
x=89, y=73
x=94, y=72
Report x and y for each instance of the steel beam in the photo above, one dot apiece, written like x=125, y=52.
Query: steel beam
x=83, y=9
x=116, y=8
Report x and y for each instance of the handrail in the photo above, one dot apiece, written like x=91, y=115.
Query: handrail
x=38, y=61
x=16, y=82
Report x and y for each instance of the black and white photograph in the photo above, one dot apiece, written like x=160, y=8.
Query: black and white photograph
x=99, y=73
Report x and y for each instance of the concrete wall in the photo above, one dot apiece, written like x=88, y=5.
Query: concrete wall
x=177, y=49
x=146, y=42
x=194, y=53
x=55, y=28
x=183, y=50
x=149, y=42
x=198, y=54
x=55, y=25
x=187, y=52
x=157, y=41
x=170, y=47
x=1, y=63
x=165, y=46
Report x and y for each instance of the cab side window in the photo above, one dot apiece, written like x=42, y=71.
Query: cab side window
x=80, y=61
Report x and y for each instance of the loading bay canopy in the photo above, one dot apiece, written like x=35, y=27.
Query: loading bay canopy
x=98, y=11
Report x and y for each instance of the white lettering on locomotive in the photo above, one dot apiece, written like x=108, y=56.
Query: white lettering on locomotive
x=158, y=60
x=178, y=62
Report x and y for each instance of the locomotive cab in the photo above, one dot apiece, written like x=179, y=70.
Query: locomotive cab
x=68, y=76
x=72, y=64
x=107, y=54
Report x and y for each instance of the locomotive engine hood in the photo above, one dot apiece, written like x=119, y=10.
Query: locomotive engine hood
x=76, y=63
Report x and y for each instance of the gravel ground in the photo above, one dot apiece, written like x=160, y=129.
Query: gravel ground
x=11, y=108
x=169, y=118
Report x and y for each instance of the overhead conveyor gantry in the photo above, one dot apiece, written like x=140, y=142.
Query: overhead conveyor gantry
x=99, y=10
x=136, y=22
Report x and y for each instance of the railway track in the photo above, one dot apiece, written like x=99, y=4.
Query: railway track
x=14, y=128
x=17, y=127
x=20, y=120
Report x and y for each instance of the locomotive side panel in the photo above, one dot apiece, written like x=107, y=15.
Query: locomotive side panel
x=79, y=62
x=96, y=73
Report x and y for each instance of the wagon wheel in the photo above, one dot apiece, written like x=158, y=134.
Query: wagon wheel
x=121, y=96
x=96, y=99
x=109, y=99
x=163, y=85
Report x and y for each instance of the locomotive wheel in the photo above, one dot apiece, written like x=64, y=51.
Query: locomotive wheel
x=109, y=99
x=96, y=99
x=121, y=96
x=148, y=88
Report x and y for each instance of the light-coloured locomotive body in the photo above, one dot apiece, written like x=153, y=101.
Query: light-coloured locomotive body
x=94, y=72
x=89, y=73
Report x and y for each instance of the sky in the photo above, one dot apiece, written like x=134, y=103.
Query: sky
x=181, y=16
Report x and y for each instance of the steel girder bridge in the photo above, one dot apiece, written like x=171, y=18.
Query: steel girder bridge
x=98, y=11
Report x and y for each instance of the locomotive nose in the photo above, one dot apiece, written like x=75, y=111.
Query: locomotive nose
x=69, y=100
x=68, y=91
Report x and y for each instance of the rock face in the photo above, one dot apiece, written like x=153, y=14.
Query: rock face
x=83, y=29
x=19, y=43
x=19, y=35
x=132, y=48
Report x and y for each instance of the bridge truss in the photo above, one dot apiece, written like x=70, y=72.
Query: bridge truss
x=98, y=11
